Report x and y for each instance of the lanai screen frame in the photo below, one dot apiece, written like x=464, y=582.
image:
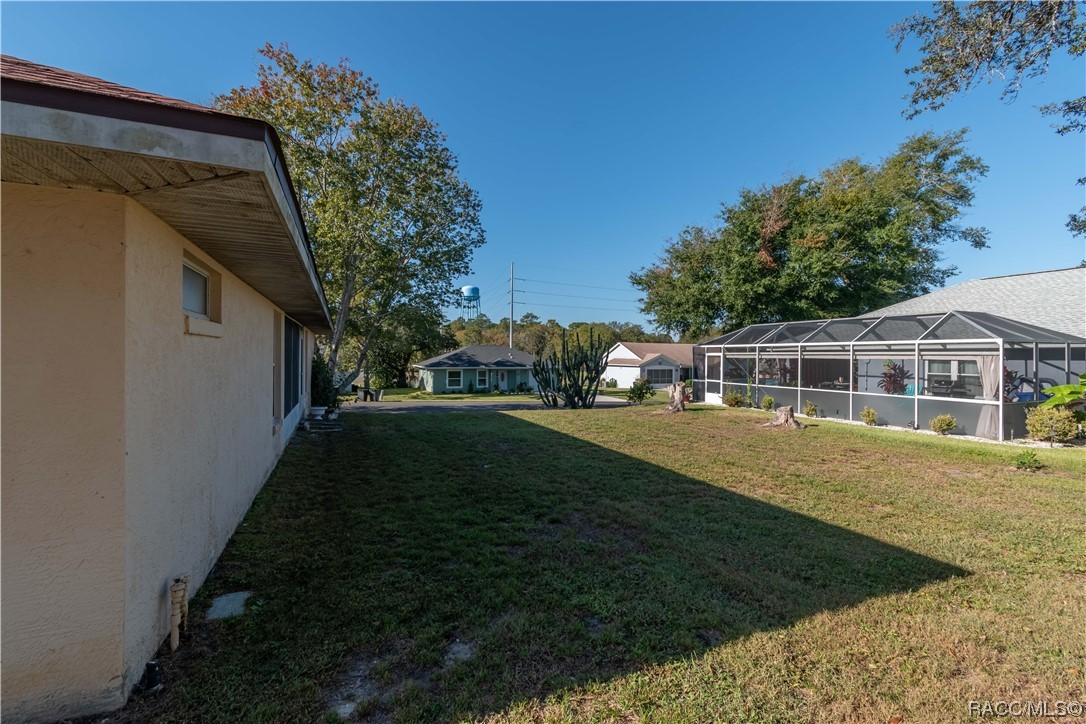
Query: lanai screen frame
x=973, y=334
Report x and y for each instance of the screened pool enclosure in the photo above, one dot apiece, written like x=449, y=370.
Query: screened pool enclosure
x=983, y=369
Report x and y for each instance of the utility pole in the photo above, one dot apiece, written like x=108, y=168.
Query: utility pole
x=510, y=305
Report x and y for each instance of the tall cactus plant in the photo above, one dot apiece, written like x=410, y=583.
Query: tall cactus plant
x=572, y=376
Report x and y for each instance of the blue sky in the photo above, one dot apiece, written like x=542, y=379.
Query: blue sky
x=595, y=132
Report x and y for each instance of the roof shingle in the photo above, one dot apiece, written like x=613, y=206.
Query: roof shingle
x=1051, y=299
x=12, y=68
x=480, y=355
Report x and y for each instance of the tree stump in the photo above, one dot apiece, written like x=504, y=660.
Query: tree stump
x=677, y=397
x=785, y=418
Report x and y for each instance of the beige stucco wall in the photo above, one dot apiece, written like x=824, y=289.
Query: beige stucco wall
x=62, y=450
x=131, y=448
x=199, y=440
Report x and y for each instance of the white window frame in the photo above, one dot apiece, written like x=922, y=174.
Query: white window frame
x=459, y=383
x=207, y=291
x=481, y=379
x=954, y=374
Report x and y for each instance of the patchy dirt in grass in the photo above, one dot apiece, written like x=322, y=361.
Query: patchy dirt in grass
x=357, y=686
x=458, y=651
x=368, y=686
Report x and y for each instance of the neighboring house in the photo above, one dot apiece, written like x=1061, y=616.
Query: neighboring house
x=479, y=367
x=158, y=246
x=982, y=351
x=660, y=364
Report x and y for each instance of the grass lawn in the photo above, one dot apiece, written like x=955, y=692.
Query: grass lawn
x=409, y=394
x=628, y=565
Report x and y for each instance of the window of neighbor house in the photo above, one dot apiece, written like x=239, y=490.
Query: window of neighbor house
x=455, y=379
x=480, y=379
x=660, y=375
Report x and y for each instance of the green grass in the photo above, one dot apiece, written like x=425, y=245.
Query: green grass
x=626, y=565
x=409, y=394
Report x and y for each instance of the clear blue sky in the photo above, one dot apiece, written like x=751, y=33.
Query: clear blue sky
x=595, y=132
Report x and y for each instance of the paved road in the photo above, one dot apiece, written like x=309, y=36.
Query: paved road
x=498, y=405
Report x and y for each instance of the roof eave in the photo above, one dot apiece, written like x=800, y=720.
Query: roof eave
x=107, y=123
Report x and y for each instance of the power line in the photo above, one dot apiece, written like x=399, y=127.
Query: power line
x=574, y=296
x=570, y=306
x=585, y=286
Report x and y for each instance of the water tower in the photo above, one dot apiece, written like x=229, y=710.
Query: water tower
x=469, y=303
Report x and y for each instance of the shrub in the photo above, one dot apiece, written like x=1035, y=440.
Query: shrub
x=1051, y=424
x=1028, y=461
x=810, y=409
x=322, y=391
x=943, y=424
x=640, y=390
x=894, y=379
x=869, y=416
x=767, y=402
x=471, y=387
x=733, y=399
x=612, y=383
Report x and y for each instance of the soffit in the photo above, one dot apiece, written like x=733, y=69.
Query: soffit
x=231, y=213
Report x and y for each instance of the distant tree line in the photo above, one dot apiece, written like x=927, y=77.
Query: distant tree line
x=413, y=338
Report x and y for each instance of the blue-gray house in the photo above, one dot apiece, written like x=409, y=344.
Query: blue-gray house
x=478, y=368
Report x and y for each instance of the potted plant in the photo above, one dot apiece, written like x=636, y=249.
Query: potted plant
x=322, y=390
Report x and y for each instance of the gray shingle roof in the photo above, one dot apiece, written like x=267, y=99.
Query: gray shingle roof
x=480, y=355
x=1050, y=299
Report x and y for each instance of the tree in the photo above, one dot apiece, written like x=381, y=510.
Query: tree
x=409, y=336
x=856, y=237
x=392, y=224
x=682, y=289
x=965, y=44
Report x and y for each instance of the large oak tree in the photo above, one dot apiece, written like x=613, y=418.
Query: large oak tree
x=856, y=237
x=391, y=222
x=1010, y=41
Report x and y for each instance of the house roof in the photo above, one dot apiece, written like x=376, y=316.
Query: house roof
x=681, y=353
x=219, y=180
x=13, y=68
x=1049, y=299
x=480, y=355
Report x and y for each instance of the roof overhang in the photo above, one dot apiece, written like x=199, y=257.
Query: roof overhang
x=218, y=180
x=658, y=357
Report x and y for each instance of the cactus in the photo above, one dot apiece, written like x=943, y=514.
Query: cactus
x=572, y=376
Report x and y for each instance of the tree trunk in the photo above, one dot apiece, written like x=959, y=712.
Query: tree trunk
x=677, y=393
x=785, y=418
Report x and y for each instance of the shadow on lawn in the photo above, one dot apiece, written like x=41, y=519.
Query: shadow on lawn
x=442, y=567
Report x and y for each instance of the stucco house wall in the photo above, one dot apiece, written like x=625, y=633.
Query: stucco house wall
x=200, y=434
x=63, y=442
x=136, y=468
